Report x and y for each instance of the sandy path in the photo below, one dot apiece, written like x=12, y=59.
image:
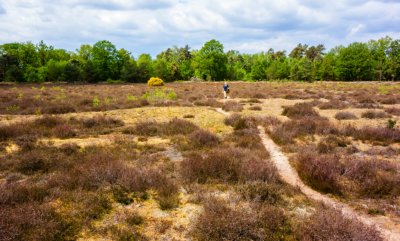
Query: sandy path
x=389, y=229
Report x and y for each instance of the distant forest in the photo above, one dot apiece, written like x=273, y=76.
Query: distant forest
x=27, y=62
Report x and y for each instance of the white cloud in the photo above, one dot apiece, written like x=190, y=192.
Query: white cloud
x=154, y=25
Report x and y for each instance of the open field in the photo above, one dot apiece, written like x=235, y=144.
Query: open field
x=130, y=162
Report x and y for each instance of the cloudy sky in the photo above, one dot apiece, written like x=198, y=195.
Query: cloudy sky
x=151, y=26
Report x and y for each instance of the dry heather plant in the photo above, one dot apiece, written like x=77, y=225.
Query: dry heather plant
x=393, y=111
x=228, y=165
x=221, y=222
x=345, y=116
x=286, y=132
x=232, y=106
x=299, y=110
x=380, y=135
x=153, y=128
x=203, y=138
x=322, y=172
x=366, y=177
x=370, y=114
x=333, y=104
x=330, y=224
x=330, y=143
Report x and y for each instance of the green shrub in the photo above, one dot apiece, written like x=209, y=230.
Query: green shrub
x=391, y=124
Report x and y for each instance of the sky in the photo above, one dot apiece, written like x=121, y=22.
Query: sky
x=151, y=26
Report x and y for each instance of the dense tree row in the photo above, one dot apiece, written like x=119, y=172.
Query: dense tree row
x=26, y=62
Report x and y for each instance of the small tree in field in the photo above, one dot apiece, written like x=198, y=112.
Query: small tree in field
x=155, y=81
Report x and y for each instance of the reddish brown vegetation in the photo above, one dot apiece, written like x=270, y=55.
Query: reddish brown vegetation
x=227, y=165
x=374, y=114
x=299, y=110
x=369, y=177
x=221, y=222
x=232, y=106
x=153, y=128
x=345, y=116
x=329, y=224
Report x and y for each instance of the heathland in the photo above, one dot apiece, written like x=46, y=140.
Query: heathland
x=179, y=162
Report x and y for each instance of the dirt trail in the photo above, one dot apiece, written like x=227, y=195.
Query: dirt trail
x=390, y=229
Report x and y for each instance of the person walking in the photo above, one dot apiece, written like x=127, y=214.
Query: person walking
x=226, y=90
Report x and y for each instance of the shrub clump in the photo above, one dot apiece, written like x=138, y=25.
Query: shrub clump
x=370, y=114
x=382, y=135
x=345, y=116
x=221, y=222
x=286, y=132
x=227, y=165
x=152, y=128
x=203, y=138
x=155, y=81
x=330, y=224
x=299, y=110
x=232, y=106
x=322, y=172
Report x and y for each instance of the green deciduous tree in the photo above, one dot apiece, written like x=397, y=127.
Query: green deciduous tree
x=355, y=62
x=210, y=62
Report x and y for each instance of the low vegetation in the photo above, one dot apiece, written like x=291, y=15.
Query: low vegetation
x=74, y=168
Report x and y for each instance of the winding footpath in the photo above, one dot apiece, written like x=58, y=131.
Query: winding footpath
x=388, y=228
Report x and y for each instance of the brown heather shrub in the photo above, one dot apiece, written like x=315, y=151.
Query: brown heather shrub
x=31, y=222
x=221, y=222
x=259, y=96
x=255, y=107
x=261, y=192
x=227, y=164
x=321, y=172
x=330, y=224
x=134, y=219
x=382, y=135
x=268, y=121
x=208, y=102
x=203, y=138
x=22, y=192
x=61, y=108
x=330, y=143
x=41, y=159
x=144, y=128
x=249, y=139
x=152, y=128
x=390, y=100
x=254, y=169
x=382, y=151
x=254, y=100
x=375, y=178
x=345, y=116
x=299, y=110
x=65, y=131
x=48, y=121
x=231, y=120
x=393, y=111
x=232, y=106
x=178, y=126
x=7, y=132
x=371, y=114
x=286, y=132
x=168, y=193
x=101, y=121
x=238, y=122
x=333, y=104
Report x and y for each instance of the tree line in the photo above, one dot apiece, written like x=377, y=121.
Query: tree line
x=28, y=62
